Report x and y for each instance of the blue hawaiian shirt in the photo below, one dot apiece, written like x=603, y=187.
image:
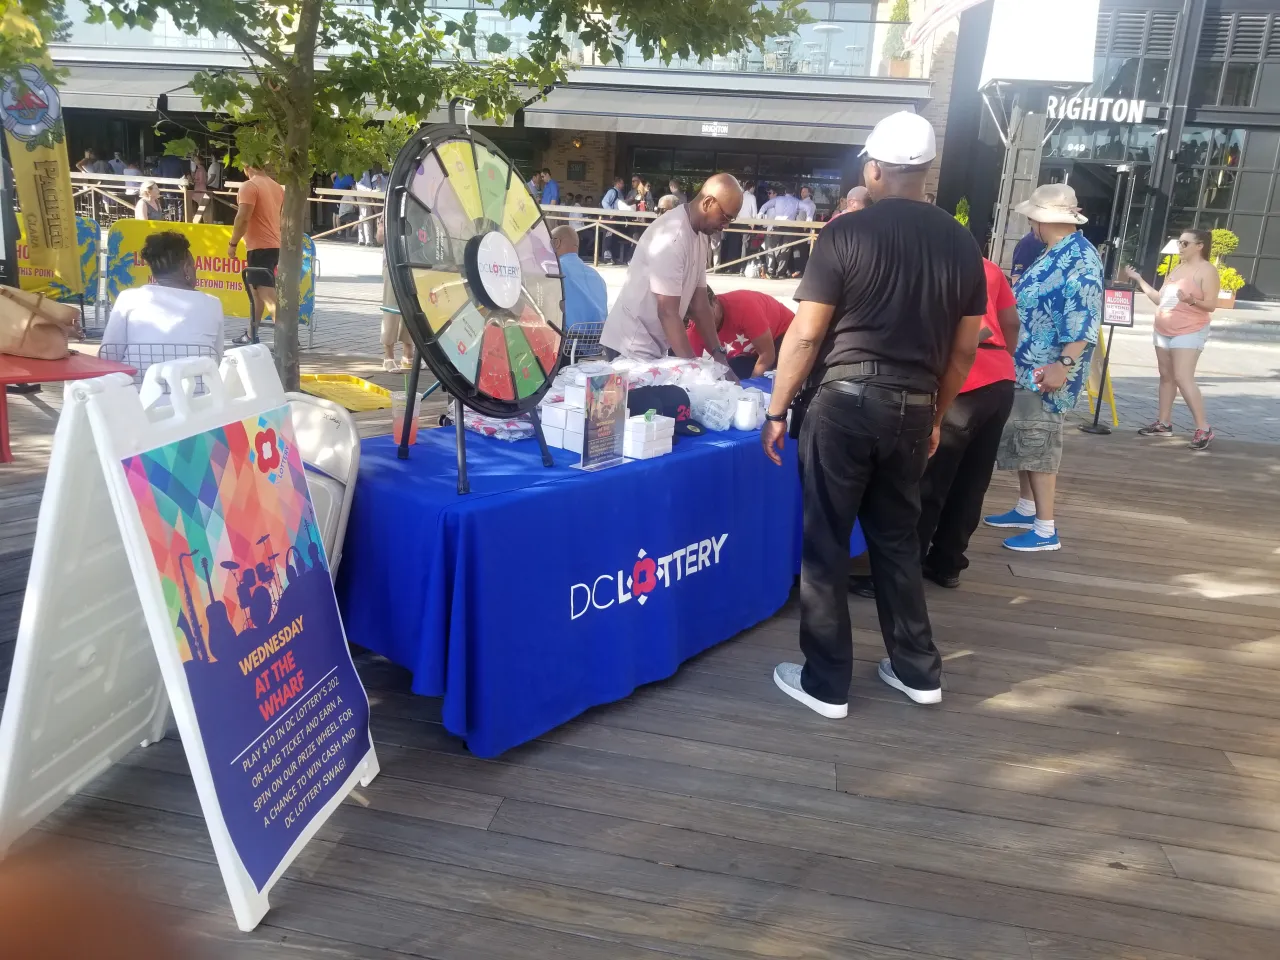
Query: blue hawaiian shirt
x=1059, y=302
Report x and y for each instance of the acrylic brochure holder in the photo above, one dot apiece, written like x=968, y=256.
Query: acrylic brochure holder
x=183, y=528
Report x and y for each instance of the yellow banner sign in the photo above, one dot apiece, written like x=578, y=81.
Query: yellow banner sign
x=32, y=117
x=40, y=279
x=216, y=273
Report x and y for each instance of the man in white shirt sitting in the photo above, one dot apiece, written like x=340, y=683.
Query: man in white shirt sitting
x=167, y=319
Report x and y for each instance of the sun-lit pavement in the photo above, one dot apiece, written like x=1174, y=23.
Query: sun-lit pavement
x=1239, y=373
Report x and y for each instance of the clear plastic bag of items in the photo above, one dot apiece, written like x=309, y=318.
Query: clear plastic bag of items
x=500, y=428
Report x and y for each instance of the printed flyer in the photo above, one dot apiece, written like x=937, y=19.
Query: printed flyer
x=281, y=712
x=606, y=421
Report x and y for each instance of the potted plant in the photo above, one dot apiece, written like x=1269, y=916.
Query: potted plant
x=895, y=53
x=1223, y=245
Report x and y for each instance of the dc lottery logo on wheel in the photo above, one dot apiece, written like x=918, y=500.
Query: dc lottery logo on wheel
x=29, y=105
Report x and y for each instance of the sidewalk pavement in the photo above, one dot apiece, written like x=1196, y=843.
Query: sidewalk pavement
x=1239, y=373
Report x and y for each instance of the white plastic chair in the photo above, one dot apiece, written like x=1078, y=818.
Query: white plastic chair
x=330, y=447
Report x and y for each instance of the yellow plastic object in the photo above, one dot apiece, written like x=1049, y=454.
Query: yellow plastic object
x=352, y=392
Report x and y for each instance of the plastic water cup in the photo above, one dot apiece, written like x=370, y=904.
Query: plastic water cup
x=399, y=402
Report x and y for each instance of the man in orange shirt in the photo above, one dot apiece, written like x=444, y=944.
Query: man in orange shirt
x=258, y=204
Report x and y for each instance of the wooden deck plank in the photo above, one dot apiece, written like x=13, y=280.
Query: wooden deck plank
x=1101, y=782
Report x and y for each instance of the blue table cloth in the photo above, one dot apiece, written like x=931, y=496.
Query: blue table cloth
x=546, y=591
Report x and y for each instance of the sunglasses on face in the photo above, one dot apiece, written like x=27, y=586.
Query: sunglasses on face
x=1187, y=243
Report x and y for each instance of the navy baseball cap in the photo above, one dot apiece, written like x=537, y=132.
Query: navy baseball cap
x=668, y=401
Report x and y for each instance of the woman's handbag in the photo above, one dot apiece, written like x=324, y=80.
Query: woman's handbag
x=33, y=326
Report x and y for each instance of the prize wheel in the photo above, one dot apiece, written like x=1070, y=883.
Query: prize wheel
x=473, y=270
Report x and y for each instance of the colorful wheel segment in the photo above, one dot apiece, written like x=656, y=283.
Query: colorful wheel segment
x=475, y=274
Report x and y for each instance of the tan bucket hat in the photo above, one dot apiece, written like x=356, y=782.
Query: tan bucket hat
x=1052, y=203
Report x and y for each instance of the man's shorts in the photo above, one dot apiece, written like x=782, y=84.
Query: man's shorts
x=1032, y=438
x=267, y=258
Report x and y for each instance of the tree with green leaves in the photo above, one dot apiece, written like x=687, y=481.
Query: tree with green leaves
x=317, y=71
x=25, y=28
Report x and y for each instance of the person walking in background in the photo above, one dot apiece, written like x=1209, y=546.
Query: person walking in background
x=148, y=205
x=1185, y=305
x=1059, y=309
x=346, y=209
x=258, y=204
x=199, y=178
x=807, y=210
x=372, y=180
x=780, y=206
x=676, y=190
x=959, y=472
x=890, y=312
x=856, y=199
x=131, y=187
x=116, y=164
x=550, y=189
x=609, y=243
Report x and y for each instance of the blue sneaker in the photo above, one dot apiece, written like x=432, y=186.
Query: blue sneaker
x=1012, y=519
x=1032, y=542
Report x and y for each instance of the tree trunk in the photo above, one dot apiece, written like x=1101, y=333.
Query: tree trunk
x=295, y=175
x=289, y=278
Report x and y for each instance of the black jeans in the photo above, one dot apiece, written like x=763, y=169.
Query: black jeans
x=956, y=482
x=863, y=457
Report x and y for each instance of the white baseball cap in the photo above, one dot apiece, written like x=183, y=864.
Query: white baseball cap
x=903, y=138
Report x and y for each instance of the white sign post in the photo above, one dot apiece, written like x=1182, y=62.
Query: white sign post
x=177, y=553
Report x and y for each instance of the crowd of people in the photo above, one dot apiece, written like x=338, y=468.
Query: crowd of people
x=200, y=175
x=910, y=370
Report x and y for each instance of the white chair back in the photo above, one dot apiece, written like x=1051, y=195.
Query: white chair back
x=330, y=447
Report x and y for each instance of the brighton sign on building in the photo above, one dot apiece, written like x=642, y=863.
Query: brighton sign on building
x=1101, y=109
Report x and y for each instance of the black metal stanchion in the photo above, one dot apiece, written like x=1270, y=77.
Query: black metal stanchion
x=1101, y=429
x=410, y=408
x=464, y=485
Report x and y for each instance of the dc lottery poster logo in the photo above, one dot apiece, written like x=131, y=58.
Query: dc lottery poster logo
x=647, y=574
x=29, y=105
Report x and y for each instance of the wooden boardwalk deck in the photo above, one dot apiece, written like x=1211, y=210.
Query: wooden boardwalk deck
x=1102, y=779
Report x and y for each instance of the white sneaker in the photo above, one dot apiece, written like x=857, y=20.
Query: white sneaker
x=787, y=677
x=919, y=696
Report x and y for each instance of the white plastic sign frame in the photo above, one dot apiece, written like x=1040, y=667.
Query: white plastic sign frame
x=121, y=422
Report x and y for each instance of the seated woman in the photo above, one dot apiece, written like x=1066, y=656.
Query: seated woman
x=750, y=325
x=168, y=319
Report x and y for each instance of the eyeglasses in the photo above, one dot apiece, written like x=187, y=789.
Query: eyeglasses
x=1185, y=243
x=724, y=218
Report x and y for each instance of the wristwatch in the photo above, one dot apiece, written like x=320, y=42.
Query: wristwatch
x=1066, y=361
x=776, y=417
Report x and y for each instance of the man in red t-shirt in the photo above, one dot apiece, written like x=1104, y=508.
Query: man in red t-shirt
x=959, y=473
x=750, y=326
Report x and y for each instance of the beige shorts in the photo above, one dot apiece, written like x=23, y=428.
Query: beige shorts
x=1032, y=438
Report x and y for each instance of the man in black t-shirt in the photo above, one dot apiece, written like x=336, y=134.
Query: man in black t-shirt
x=890, y=310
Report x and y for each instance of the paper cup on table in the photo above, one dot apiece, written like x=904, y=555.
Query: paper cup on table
x=745, y=416
x=399, y=402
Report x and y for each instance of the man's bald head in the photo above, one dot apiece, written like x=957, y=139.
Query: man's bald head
x=717, y=204
x=859, y=198
x=564, y=239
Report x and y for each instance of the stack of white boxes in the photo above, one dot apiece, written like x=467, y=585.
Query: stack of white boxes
x=563, y=423
x=648, y=438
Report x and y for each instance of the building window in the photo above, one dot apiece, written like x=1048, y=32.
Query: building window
x=1237, y=85
x=1151, y=80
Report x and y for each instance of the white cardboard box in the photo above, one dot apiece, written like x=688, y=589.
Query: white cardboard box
x=554, y=436
x=659, y=428
x=636, y=450
x=575, y=395
x=553, y=414
x=572, y=441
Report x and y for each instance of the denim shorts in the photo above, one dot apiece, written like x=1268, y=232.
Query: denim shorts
x=1032, y=438
x=1187, y=341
